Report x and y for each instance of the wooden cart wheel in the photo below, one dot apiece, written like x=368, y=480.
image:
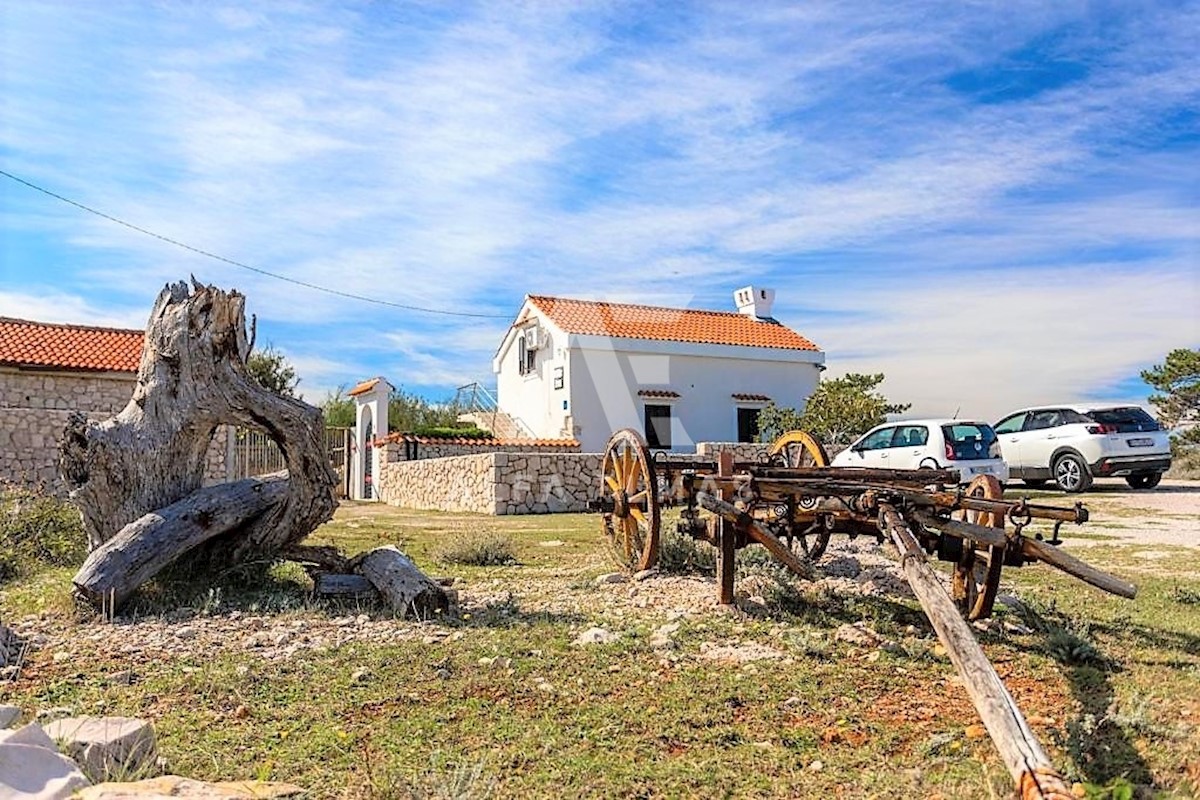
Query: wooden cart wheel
x=627, y=479
x=798, y=449
x=977, y=574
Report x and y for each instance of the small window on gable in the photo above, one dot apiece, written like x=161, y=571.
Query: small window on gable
x=530, y=359
x=522, y=355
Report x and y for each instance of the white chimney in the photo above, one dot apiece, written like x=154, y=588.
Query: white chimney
x=754, y=301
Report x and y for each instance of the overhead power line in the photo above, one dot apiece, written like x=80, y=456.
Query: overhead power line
x=240, y=265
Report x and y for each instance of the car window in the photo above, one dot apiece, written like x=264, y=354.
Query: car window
x=969, y=439
x=1072, y=417
x=1011, y=424
x=1041, y=420
x=910, y=436
x=1126, y=420
x=878, y=440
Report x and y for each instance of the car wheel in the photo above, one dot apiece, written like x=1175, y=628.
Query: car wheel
x=928, y=463
x=1071, y=474
x=1034, y=483
x=1144, y=480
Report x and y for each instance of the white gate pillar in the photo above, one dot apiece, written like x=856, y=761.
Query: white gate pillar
x=370, y=423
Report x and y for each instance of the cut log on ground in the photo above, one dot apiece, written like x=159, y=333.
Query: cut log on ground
x=1023, y=755
x=404, y=586
x=329, y=584
x=141, y=549
x=152, y=454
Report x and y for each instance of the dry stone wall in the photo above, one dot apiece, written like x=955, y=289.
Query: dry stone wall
x=539, y=480
x=34, y=406
x=492, y=483
x=742, y=451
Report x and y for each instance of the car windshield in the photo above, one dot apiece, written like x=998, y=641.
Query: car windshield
x=969, y=439
x=1129, y=419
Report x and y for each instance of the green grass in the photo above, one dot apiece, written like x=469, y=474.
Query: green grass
x=1112, y=687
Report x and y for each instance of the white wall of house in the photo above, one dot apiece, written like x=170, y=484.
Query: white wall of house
x=608, y=373
x=531, y=398
x=601, y=376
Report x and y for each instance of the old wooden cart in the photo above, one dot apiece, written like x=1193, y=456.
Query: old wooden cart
x=791, y=502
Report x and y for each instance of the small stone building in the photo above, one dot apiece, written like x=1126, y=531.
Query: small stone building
x=47, y=371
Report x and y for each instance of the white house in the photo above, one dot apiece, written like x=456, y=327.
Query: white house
x=582, y=369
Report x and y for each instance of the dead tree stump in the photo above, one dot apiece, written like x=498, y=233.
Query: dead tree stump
x=151, y=455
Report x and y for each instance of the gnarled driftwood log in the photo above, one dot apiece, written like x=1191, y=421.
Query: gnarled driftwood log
x=151, y=455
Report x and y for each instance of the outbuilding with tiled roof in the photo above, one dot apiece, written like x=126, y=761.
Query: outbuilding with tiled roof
x=48, y=370
x=569, y=368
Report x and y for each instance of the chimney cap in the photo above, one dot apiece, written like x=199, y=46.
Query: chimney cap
x=754, y=301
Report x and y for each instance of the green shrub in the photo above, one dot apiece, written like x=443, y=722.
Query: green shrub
x=679, y=554
x=37, y=531
x=442, y=432
x=481, y=549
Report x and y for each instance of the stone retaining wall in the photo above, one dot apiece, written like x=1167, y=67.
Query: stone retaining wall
x=34, y=406
x=742, y=451
x=542, y=480
x=492, y=483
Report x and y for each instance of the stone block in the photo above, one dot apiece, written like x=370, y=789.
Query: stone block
x=175, y=786
x=106, y=747
x=8, y=715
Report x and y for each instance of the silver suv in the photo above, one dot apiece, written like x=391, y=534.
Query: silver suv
x=1072, y=445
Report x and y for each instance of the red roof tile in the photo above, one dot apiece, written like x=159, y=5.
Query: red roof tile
x=627, y=321
x=751, y=398
x=71, y=347
x=662, y=393
x=364, y=387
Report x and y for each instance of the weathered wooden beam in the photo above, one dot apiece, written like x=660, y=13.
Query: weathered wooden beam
x=1022, y=753
x=742, y=521
x=141, y=549
x=329, y=584
x=1056, y=557
x=980, y=534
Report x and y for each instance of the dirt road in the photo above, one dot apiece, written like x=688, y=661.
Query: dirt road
x=1168, y=514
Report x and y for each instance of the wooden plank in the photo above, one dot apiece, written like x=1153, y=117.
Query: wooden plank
x=1056, y=557
x=726, y=536
x=1022, y=753
x=979, y=534
x=141, y=549
x=740, y=520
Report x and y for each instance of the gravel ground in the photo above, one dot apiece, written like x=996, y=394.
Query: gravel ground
x=1168, y=514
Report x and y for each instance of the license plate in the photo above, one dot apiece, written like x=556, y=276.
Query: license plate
x=982, y=470
x=1141, y=442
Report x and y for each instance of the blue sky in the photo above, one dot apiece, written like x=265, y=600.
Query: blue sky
x=994, y=204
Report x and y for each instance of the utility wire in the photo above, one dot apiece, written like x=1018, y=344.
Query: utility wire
x=240, y=265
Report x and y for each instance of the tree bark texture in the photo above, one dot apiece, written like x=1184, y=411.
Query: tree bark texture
x=404, y=586
x=151, y=455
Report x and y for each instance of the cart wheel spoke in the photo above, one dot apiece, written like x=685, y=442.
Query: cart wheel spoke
x=632, y=526
x=977, y=575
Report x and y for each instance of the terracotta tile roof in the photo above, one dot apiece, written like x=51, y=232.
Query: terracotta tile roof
x=751, y=398
x=627, y=321
x=396, y=438
x=70, y=347
x=663, y=393
x=363, y=387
